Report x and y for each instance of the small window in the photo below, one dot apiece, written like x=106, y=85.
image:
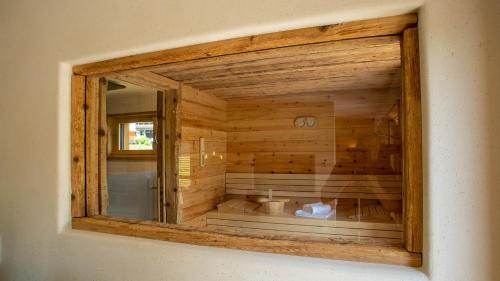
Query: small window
x=136, y=136
x=132, y=135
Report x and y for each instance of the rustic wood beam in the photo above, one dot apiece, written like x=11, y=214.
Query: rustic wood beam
x=92, y=146
x=145, y=78
x=103, y=145
x=77, y=146
x=358, y=29
x=172, y=146
x=412, y=142
x=260, y=243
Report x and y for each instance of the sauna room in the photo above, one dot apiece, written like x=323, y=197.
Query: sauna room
x=301, y=141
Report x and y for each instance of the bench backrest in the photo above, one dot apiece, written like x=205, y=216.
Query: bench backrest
x=382, y=187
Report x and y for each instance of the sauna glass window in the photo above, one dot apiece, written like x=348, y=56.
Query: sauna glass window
x=299, y=143
x=314, y=155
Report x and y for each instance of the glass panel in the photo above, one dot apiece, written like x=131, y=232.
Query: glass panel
x=318, y=166
x=131, y=174
x=301, y=142
x=136, y=136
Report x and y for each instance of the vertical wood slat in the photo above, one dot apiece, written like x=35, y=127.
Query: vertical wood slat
x=160, y=154
x=77, y=146
x=172, y=144
x=412, y=142
x=103, y=144
x=92, y=146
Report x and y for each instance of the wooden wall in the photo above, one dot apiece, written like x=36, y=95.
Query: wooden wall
x=365, y=146
x=262, y=137
x=347, y=139
x=202, y=188
x=259, y=136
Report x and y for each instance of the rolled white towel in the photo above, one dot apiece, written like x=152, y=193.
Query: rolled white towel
x=317, y=209
x=301, y=213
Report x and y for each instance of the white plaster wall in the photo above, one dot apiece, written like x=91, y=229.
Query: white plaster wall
x=39, y=39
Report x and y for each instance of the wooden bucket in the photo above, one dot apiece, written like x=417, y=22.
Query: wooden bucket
x=274, y=207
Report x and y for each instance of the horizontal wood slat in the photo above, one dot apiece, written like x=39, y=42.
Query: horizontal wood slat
x=315, y=188
x=380, y=187
x=250, y=223
x=310, y=229
x=394, y=242
x=315, y=182
x=317, y=194
x=254, y=217
x=317, y=177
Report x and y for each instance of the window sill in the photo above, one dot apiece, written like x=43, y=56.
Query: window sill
x=131, y=156
x=190, y=235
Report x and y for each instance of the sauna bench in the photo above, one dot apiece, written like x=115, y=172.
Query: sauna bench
x=341, y=228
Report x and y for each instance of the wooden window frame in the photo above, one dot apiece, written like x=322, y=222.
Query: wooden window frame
x=88, y=187
x=114, y=120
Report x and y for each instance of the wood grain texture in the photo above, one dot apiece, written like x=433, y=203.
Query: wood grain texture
x=102, y=149
x=77, y=146
x=351, y=135
x=201, y=188
x=202, y=110
x=161, y=156
x=342, y=231
x=412, y=142
x=145, y=78
x=357, y=29
x=339, y=65
x=293, y=65
x=92, y=146
x=256, y=242
x=173, y=136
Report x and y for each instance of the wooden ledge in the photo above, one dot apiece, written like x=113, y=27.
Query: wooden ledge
x=191, y=235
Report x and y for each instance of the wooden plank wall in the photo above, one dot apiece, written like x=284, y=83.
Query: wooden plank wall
x=202, y=188
x=365, y=146
x=383, y=187
x=262, y=138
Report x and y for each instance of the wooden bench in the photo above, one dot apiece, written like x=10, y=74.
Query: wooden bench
x=390, y=234
x=307, y=188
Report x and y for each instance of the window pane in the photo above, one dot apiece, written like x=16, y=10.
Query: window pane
x=136, y=136
x=131, y=164
x=301, y=142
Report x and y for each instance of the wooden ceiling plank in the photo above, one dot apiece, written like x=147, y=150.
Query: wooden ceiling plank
x=286, y=69
x=328, y=72
x=337, y=52
x=300, y=86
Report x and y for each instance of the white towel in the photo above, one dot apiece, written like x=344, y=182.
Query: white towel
x=318, y=209
x=315, y=210
x=301, y=213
